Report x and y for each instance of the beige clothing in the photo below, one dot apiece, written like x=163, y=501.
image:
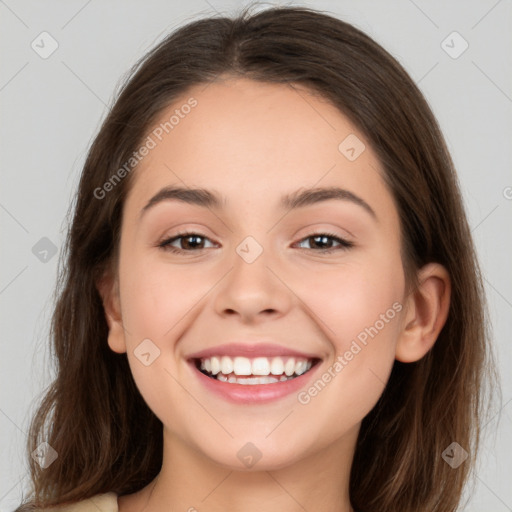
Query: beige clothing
x=100, y=503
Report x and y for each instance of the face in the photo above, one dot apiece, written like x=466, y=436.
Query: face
x=320, y=280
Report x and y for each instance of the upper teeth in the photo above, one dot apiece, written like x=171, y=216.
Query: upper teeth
x=256, y=366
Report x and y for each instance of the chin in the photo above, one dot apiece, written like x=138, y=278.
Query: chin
x=256, y=455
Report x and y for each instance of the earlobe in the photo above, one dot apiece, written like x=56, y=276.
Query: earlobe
x=426, y=312
x=108, y=288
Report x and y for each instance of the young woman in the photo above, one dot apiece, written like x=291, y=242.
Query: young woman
x=271, y=299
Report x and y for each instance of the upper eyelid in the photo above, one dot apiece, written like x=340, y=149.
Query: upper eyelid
x=185, y=234
x=198, y=233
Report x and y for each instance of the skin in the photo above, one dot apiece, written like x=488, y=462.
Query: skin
x=253, y=142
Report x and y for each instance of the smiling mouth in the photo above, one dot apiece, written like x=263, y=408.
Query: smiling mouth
x=254, y=371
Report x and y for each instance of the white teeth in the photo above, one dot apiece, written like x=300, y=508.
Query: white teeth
x=260, y=366
x=289, y=367
x=251, y=380
x=242, y=366
x=215, y=365
x=300, y=368
x=226, y=365
x=270, y=370
x=276, y=366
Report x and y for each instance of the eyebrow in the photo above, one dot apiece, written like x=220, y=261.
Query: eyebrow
x=298, y=199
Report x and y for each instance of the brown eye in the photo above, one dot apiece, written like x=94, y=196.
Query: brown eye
x=193, y=242
x=190, y=242
x=323, y=239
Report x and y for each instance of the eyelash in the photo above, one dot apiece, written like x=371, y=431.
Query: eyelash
x=344, y=244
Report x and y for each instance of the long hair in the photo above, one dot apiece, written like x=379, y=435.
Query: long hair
x=93, y=416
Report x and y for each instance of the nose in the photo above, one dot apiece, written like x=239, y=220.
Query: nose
x=254, y=291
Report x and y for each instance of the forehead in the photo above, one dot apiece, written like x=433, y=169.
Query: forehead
x=268, y=124
x=250, y=138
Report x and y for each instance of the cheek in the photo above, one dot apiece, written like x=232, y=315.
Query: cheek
x=351, y=298
x=156, y=300
x=359, y=308
x=156, y=296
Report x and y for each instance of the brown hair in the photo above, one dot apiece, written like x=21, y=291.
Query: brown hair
x=93, y=414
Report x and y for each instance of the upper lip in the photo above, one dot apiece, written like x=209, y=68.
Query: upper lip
x=250, y=350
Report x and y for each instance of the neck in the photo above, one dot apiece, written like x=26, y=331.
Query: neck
x=192, y=482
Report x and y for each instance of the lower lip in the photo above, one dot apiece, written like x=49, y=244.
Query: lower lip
x=254, y=393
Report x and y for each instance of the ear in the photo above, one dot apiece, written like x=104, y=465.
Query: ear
x=426, y=311
x=108, y=288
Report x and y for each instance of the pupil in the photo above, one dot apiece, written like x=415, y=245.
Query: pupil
x=322, y=238
x=191, y=238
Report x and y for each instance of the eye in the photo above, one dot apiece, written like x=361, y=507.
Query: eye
x=194, y=242
x=323, y=238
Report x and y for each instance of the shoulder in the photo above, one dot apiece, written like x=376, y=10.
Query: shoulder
x=106, y=502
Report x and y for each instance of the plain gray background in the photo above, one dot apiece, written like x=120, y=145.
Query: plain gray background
x=52, y=108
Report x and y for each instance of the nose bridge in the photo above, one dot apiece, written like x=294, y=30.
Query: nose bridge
x=251, y=287
x=250, y=265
